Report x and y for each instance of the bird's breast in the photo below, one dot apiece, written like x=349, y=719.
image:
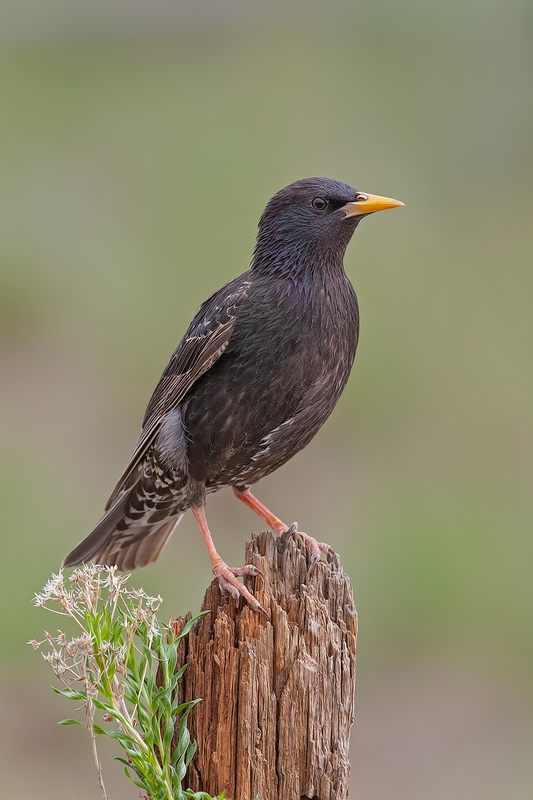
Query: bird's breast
x=278, y=380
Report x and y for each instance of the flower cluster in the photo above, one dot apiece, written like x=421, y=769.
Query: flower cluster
x=122, y=662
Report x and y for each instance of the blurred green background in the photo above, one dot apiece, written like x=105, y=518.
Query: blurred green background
x=139, y=142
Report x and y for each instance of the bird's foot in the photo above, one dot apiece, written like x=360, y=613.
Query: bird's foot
x=312, y=545
x=227, y=578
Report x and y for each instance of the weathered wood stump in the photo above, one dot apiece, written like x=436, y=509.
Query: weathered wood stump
x=277, y=695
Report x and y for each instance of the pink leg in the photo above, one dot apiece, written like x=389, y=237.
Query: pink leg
x=279, y=527
x=227, y=576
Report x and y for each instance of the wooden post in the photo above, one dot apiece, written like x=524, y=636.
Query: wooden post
x=277, y=695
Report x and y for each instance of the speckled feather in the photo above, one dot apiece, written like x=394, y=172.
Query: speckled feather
x=256, y=375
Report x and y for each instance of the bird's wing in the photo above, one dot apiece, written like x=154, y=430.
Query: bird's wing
x=204, y=342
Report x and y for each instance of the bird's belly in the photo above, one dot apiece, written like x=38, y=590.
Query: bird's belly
x=285, y=440
x=241, y=430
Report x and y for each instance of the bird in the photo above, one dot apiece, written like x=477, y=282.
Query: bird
x=257, y=373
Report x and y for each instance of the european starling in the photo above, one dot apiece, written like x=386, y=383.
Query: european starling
x=256, y=375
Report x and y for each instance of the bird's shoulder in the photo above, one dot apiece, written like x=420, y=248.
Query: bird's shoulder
x=204, y=341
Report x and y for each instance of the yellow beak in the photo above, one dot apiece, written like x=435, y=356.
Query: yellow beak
x=368, y=203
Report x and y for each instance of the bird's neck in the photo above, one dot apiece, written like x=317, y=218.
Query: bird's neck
x=298, y=261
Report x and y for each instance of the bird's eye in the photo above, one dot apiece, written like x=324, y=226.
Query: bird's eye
x=319, y=203
x=361, y=197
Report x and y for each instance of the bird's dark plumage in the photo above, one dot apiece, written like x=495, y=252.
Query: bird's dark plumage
x=257, y=373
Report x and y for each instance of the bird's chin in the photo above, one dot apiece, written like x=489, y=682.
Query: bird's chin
x=349, y=224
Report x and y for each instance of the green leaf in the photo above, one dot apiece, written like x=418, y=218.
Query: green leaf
x=186, y=708
x=131, y=695
x=163, y=694
x=98, y=730
x=141, y=784
x=129, y=765
x=181, y=769
x=191, y=750
x=149, y=737
x=102, y=706
x=168, y=734
x=172, y=657
x=119, y=735
x=145, y=719
x=188, y=625
x=72, y=722
x=70, y=693
x=164, y=706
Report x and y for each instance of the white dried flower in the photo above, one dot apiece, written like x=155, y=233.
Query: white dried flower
x=61, y=638
x=55, y=660
x=55, y=585
x=79, y=646
x=113, y=582
x=49, y=591
x=50, y=639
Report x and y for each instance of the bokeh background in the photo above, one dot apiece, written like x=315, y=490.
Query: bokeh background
x=139, y=142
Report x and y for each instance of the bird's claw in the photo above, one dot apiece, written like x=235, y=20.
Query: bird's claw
x=227, y=578
x=313, y=545
x=317, y=548
x=248, y=569
x=329, y=551
x=292, y=528
x=313, y=561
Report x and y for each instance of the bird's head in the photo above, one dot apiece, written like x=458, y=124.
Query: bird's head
x=313, y=219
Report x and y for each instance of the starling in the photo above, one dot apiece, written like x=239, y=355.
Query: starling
x=256, y=375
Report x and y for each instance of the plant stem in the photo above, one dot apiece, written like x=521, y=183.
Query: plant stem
x=90, y=725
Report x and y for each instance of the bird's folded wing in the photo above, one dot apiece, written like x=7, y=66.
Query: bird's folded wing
x=204, y=342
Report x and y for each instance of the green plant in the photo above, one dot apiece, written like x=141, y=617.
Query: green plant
x=122, y=664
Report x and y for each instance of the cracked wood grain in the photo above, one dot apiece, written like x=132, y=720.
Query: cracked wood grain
x=277, y=695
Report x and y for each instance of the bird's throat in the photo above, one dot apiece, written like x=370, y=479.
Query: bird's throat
x=301, y=262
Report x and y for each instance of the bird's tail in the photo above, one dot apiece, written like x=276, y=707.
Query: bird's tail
x=127, y=547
